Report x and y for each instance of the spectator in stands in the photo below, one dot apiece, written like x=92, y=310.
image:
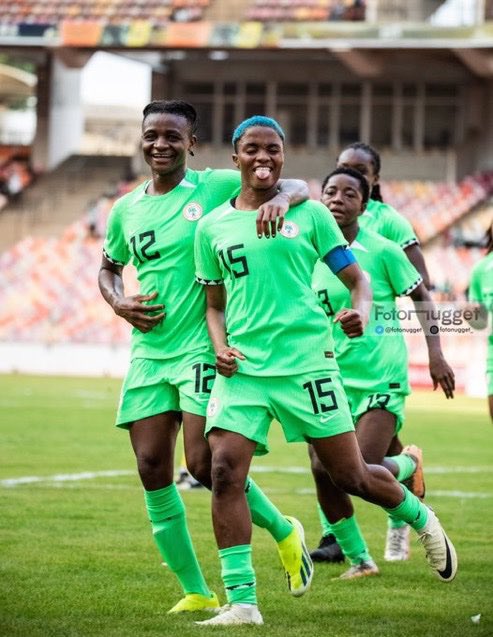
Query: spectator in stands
x=14, y=184
x=481, y=306
x=172, y=363
x=92, y=217
x=337, y=10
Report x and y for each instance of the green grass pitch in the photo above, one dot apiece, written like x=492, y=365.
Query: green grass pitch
x=77, y=557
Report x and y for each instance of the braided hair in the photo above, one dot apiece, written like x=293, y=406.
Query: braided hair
x=376, y=162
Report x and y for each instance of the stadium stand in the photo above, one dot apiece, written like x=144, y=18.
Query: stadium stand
x=432, y=207
x=61, y=196
x=123, y=11
x=101, y=11
x=452, y=254
x=40, y=302
x=305, y=10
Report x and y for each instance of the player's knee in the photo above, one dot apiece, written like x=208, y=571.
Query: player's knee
x=199, y=466
x=352, y=482
x=153, y=470
x=225, y=473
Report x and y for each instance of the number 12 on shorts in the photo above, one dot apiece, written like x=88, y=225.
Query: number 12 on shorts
x=317, y=389
x=203, y=380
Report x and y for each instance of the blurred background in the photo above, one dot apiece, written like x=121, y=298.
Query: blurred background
x=414, y=78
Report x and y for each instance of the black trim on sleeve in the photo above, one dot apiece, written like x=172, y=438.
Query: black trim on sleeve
x=411, y=287
x=114, y=261
x=202, y=281
x=410, y=242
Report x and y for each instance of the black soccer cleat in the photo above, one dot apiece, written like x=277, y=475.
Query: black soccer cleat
x=328, y=550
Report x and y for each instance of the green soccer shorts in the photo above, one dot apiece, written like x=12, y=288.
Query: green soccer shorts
x=308, y=405
x=154, y=386
x=362, y=401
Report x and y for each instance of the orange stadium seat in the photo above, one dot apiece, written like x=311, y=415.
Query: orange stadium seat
x=431, y=207
x=305, y=10
x=100, y=12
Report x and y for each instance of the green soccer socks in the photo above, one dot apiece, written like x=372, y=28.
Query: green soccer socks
x=169, y=527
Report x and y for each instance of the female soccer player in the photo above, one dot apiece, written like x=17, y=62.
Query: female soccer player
x=274, y=355
x=172, y=364
x=481, y=304
x=386, y=221
x=374, y=368
x=380, y=216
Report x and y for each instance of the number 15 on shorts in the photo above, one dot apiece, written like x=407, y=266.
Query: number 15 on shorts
x=323, y=398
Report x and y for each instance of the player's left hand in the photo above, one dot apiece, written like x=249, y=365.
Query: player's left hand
x=442, y=374
x=271, y=215
x=226, y=364
x=351, y=322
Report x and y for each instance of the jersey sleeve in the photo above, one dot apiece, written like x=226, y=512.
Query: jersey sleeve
x=221, y=186
x=475, y=289
x=207, y=268
x=398, y=229
x=401, y=273
x=326, y=233
x=115, y=248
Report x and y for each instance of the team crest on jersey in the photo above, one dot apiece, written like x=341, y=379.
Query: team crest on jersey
x=290, y=230
x=192, y=211
x=212, y=407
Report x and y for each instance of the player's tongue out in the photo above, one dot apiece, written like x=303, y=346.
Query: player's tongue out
x=262, y=172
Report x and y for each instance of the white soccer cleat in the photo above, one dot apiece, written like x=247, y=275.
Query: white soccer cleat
x=440, y=551
x=234, y=614
x=397, y=544
x=363, y=569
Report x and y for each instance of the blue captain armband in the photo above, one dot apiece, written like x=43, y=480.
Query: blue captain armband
x=339, y=258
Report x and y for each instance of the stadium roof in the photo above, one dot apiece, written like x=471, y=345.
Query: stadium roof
x=15, y=82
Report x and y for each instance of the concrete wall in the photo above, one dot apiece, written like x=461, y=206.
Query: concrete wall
x=433, y=166
x=60, y=119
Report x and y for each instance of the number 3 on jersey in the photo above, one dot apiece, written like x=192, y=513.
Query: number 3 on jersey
x=323, y=295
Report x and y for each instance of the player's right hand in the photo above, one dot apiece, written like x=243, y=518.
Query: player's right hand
x=136, y=311
x=351, y=322
x=226, y=364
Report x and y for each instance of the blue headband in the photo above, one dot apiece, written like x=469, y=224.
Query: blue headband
x=256, y=120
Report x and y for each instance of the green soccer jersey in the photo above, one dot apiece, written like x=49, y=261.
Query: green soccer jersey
x=386, y=221
x=481, y=291
x=378, y=359
x=156, y=234
x=272, y=315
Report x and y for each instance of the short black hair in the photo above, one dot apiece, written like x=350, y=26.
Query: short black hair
x=173, y=107
x=364, y=187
